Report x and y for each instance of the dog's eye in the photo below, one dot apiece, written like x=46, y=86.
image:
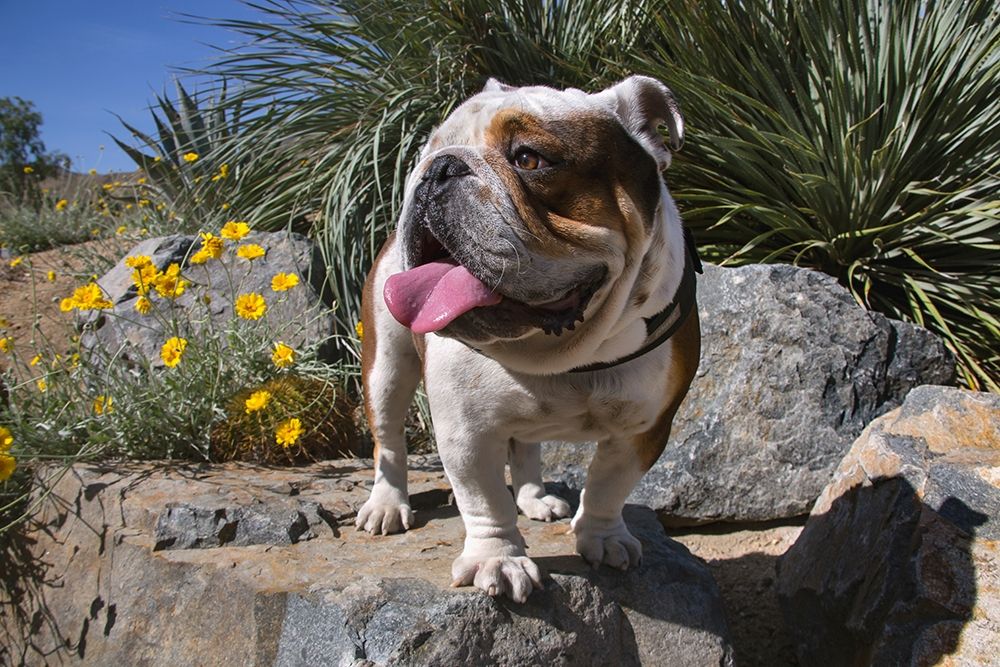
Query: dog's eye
x=527, y=159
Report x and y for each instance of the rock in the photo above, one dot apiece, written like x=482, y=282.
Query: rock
x=116, y=592
x=898, y=562
x=297, y=316
x=792, y=369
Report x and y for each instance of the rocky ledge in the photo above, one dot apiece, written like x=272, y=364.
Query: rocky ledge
x=168, y=565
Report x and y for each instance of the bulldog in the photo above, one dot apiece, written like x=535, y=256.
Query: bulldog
x=540, y=282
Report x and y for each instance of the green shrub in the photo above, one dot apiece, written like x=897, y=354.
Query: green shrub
x=858, y=138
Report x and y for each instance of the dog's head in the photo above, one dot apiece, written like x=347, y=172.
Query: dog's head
x=537, y=218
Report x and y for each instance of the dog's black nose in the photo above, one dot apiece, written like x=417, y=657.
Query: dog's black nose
x=444, y=167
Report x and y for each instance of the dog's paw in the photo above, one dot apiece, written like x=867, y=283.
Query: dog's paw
x=609, y=543
x=384, y=514
x=513, y=576
x=544, y=508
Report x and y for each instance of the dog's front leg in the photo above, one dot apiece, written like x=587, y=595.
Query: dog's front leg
x=601, y=534
x=390, y=371
x=494, y=557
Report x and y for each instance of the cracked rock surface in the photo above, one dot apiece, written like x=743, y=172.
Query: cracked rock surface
x=792, y=369
x=247, y=565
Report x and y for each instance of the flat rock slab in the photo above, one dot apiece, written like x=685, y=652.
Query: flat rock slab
x=792, y=369
x=898, y=563
x=237, y=564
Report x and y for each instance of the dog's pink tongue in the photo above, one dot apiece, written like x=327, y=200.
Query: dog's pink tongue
x=430, y=296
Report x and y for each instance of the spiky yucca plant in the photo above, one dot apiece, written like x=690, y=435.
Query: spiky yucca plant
x=854, y=137
x=182, y=161
x=858, y=137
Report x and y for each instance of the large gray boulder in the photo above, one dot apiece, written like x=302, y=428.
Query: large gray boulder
x=298, y=316
x=898, y=562
x=792, y=369
x=245, y=565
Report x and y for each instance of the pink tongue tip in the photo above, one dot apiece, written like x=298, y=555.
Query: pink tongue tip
x=429, y=297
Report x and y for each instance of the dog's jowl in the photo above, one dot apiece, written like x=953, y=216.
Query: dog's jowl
x=541, y=284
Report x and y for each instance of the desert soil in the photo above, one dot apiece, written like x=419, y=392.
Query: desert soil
x=742, y=558
x=29, y=301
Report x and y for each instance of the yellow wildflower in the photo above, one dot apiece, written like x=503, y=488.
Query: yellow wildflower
x=61, y=205
x=258, y=401
x=92, y=172
x=157, y=159
x=7, y=344
x=172, y=350
x=108, y=187
x=211, y=248
x=234, y=230
x=145, y=273
x=190, y=157
x=103, y=404
x=29, y=170
x=142, y=180
x=51, y=276
x=43, y=386
x=6, y=439
x=223, y=173
x=283, y=356
x=288, y=432
x=250, y=251
x=359, y=328
x=169, y=283
x=16, y=262
x=143, y=305
x=85, y=297
x=284, y=281
x=143, y=203
x=89, y=297
x=225, y=206
x=251, y=306
x=35, y=359
x=7, y=465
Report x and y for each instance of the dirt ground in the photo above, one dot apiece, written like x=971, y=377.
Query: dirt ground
x=28, y=297
x=742, y=558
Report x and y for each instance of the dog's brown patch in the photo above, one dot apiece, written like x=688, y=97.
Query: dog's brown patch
x=601, y=179
x=684, y=358
x=369, y=338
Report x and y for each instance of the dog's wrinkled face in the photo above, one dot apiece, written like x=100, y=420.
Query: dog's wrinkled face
x=528, y=206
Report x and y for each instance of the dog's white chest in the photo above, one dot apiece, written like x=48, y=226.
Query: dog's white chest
x=573, y=407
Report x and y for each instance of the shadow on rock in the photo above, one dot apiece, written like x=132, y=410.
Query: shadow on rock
x=881, y=578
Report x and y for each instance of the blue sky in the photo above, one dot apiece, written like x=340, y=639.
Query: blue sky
x=81, y=60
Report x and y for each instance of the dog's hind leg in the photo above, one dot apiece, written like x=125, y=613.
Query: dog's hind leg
x=525, y=460
x=390, y=373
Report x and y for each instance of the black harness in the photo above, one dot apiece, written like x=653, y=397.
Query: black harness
x=657, y=330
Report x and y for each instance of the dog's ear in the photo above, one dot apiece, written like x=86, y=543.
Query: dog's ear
x=496, y=86
x=642, y=104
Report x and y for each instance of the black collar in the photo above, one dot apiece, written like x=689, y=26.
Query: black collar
x=682, y=303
